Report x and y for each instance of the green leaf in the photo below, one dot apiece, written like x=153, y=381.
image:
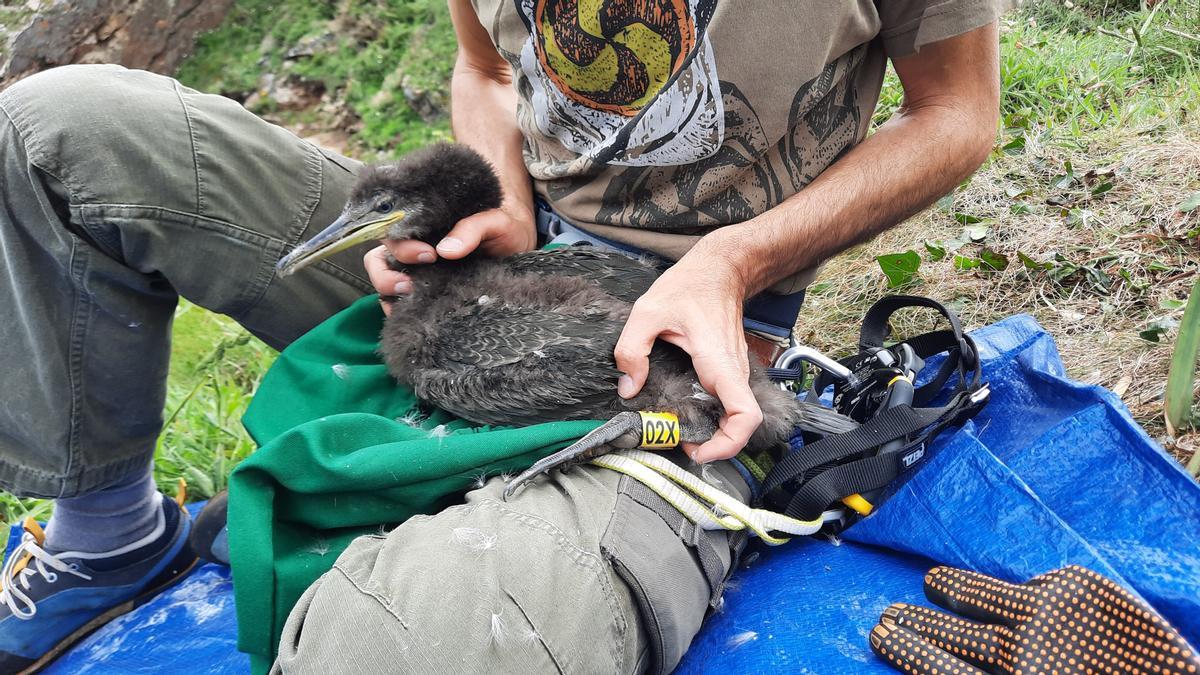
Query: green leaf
x=1157, y=328
x=1014, y=147
x=975, y=232
x=1133, y=283
x=962, y=263
x=1171, y=304
x=1063, y=182
x=202, y=483
x=1191, y=203
x=900, y=268
x=1102, y=188
x=1099, y=280
x=947, y=203
x=953, y=245
x=1177, y=400
x=996, y=261
x=1031, y=264
x=1021, y=119
x=1019, y=209
x=967, y=219
x=1014, y=192
x=1159, y=266
x=936, y=250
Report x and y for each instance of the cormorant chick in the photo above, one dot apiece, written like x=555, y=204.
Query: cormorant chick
x=528, y=338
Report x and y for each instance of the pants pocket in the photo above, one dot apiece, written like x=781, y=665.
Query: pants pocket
x=675, y=571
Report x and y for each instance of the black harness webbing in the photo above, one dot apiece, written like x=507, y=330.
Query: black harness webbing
x=893, y=433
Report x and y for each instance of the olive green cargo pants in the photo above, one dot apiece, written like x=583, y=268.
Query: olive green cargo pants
x=121, y=191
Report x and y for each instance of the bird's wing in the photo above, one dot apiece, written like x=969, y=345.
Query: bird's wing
x=513, y=365
x=617, y=274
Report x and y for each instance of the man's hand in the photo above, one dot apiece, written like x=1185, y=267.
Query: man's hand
x=483, y=114
x=696, y=305
x=499, y=232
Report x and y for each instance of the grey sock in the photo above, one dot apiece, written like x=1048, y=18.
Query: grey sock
x=105, y=520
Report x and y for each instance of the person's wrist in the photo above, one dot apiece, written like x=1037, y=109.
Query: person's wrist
x=518, y=200
x=519, y=211
x=729, y=259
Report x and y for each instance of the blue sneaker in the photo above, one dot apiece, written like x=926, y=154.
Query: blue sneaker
x=49, y=600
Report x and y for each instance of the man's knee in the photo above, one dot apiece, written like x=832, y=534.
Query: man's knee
x=64, y=82
x=105, y=132
x=74, y=97
x=476, y=588
x=349, y=622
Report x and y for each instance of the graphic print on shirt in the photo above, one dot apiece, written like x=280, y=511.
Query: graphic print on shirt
x=624, y=82
x=741, y=180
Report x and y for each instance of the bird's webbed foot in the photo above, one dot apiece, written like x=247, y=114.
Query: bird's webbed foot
x=622, y=431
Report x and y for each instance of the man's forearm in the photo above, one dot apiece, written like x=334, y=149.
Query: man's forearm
x=912, y=161
x=944, y=132
x=483, y=114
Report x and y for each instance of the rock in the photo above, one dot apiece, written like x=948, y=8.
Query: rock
x=430, y=105
x=338, y=115
x=149, y=34
x=296, y=93
x=311, y=46
x=289, y=92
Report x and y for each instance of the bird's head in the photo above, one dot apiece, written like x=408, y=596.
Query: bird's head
x=421, y=196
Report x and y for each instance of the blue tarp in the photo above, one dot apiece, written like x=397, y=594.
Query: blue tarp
x=1049, y=474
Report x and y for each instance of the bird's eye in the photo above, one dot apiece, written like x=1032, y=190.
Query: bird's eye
x=384, y=207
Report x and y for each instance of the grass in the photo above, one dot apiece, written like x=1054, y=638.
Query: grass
x=1077, y=217
x=1078, y=205
x=362, y=54
x=215, y=369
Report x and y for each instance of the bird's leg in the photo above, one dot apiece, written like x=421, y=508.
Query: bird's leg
x=622, y=431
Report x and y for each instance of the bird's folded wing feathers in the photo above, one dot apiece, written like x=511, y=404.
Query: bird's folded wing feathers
x=617, y=274
x=512, y=365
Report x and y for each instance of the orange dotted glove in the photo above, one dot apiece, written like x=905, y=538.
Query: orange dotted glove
x=1070, y=620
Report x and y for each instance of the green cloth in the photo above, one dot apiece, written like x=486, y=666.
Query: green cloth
x=334, y=462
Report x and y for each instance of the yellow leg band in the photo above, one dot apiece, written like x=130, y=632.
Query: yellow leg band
x=660, y=431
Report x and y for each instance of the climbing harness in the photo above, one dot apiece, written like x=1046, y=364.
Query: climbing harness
x=830, y=477
x=886, y=390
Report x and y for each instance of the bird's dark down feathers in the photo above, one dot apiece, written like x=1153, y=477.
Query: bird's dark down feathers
x=447, y=181
x=611, y=271
x=530, y=339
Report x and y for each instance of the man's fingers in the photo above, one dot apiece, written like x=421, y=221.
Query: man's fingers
x=730, y=384
x=731, y=436
x=632, y=353
x=385, y=280
x=979, y=596
x=470, y=231
x=411, y=251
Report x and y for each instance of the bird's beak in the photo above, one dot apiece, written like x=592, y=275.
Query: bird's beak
x=344, y=233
